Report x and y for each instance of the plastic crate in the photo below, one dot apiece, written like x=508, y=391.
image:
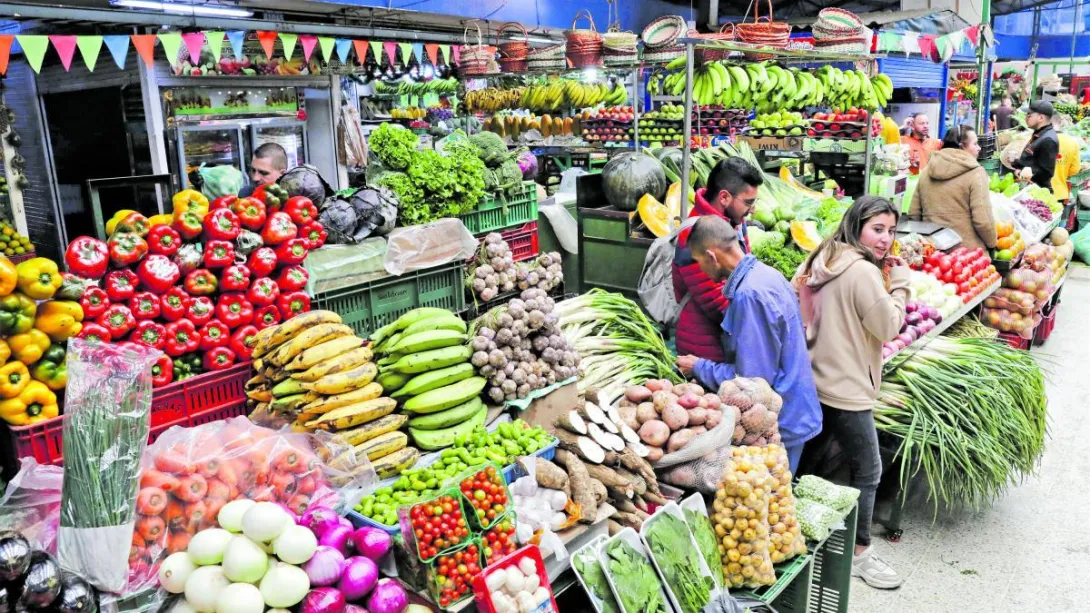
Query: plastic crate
x=484, y=596
x=497, y=213
x=522, y=240
x=369, y=306
x=515, y=471
x=1047, y=325
x=831, y=579
x=1015, y=340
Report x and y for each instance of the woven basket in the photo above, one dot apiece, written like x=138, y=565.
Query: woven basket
x=847, y=44
x=510, y=65
x=725, y=34
x=663, y=32
x=477, y=59
x=513, y=50
x=613, y=57
x=584, y=46
x=663, y=54
x=544, y=65
x=835, y=20
x=619, y=40
x=763, y=31
x=552, y=52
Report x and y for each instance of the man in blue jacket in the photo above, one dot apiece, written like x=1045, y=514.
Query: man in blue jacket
x=762, y=333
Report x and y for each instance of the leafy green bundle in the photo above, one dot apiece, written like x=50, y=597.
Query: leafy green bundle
x=700, y=526
x=595, y=579
x=668, y=536
x=635, y=579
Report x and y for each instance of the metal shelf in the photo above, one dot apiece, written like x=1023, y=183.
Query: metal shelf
x=922, y=342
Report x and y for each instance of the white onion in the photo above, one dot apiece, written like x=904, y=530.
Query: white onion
x=181, y=606
x=264, y=521
x=203, y=588
x=284, y=586
x=295, y=545
x=174, y=571
x=240, y=598
x=207, y=546
x=244, y=562
x=230, y=515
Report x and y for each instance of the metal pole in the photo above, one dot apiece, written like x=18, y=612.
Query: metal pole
x=1074, y=31
x=984, y=79
x=636, y=109
x=686, y=134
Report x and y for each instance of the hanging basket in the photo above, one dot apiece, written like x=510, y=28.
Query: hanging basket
x=551, y=52
x=663, y=32
x=513, y=50
x=859, y=43
x=763, y=31
x=837, y=23
x=584, y=46
x=479, y=59
x=725, y=34
x=663, y=54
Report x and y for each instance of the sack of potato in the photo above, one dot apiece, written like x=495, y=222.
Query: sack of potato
x=756, y=408
x=740, y=515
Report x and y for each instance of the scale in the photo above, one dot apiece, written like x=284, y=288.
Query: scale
x=942, y=237
x=893, y=188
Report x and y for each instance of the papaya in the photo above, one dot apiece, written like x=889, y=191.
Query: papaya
x=546, y=126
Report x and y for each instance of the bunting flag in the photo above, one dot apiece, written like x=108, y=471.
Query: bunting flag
x=288, y=41
x=267, y=40
x=956, y=40
x=343, y=47
x=376, y=49
x=194, y=42
x=927, y=45
x=911, y=42
x=89, y=48
x=172, y=44
x=973, y=34
x=34, y=47
x=215, y=44
x=418, y=52
x=361, y=51
x=237, y=38
x=145, y=46
x=5, y=51
x=326, y=45
x=457, y=50
x=406, y=50
x=445, y=49
x=308, y=41
x=391, y=51
x=433, y=53
x=66, y=48
x=119, y=48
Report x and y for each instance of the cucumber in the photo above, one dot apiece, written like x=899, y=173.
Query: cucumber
x=429, y=440
x=448, y=417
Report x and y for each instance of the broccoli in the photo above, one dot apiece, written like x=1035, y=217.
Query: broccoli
x=493, y=149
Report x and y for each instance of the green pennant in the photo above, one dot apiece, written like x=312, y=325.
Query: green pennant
x=288, y=40
x=326, y=45
x=172, y=42
x=215, y=43
x=34, y=46
x=376, y=48
x=406, y=52
x=89, y=46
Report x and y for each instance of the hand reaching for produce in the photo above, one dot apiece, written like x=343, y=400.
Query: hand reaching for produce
x=685, y=364
x=1025, y=174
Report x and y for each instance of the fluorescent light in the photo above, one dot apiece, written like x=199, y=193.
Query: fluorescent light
x=539, y=39
x=590, y=75
x=210, y=10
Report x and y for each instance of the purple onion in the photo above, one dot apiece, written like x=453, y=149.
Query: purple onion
x=371, y=542
x=323, y=600
x=354, y=608
x=320, y=520
x=337, y=537
x=325, y=566
x=913, y=318
x=911, y=306
x=358, y=577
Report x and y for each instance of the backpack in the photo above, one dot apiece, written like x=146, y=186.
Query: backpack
x=656, y=286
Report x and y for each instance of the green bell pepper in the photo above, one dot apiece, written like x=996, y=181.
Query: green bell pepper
x=17, y=313
x=52, y=369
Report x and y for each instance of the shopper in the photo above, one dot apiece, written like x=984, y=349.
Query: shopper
x=852, y=296
x=731, y=194
x=953, y=191
x=1068, y=166
x=762, y=332
x=1002, y=114
x=1038, y=160
x=269, y=162
x=919, y=142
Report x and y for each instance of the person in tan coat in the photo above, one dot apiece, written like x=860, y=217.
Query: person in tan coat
x=953, y=191
x=852, y=296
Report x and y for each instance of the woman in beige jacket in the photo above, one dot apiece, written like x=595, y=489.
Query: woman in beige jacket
x=852, y=295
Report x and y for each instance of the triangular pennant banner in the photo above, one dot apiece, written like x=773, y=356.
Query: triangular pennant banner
x=288, y=40
x=194, y=42
x=66, y=47
x=956, y=40
x=89, y=48
x=457, y=54
x=172, y=43
x=343, y=47
x=391, y=51
x=433, y=53
x=145, y=47
x=118, y=44
x=5, y=51
x=267, y=40
x=406, y=49
x=376, y=49
x=418, y=52
x=215, y=44
x=308, y=41
x=361, y=50
x=445, y=49
x=911, y=42
x=973, y=34
x=326, y=45
x=34, y=47
x=927, y=45
x=236, y=38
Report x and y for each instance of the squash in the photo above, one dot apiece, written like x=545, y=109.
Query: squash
x=673, y=199
x=567, y=126
x=654, y=215
x=785, y=174
x=805, y=234
x=630, y=175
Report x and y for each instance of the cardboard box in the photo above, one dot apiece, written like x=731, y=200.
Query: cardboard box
x=773, y=143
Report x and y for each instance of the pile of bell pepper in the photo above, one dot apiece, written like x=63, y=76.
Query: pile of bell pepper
x=39, y=312
x=197, y=283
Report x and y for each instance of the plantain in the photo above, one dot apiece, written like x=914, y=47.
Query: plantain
x=323, y=352
x=344, y=381
x=272, y=337
x=305, y=340
x=354, y=414
x=256, y=381
x=343, y=362
x=288, y=387
x=287, y=403
x=259, y=395
x=325, y=404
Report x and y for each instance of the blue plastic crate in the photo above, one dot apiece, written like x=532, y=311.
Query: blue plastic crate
x=515, y=471
x=359, y=521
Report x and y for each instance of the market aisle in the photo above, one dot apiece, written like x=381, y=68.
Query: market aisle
x=1029, y=551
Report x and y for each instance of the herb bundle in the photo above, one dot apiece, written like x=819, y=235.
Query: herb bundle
x=668, y=536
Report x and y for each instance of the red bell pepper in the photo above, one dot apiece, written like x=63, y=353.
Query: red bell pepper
x=94, y=301
x=181, y=338
x=144, y=305
x=158, y=273
x=314, y=234
x=134, y=222
x=150, y=334
x=126, y=248
x=223, y=202
x=292, y=252
x=240, y=339
x=234, y=310
x=266, y=316
x=118, y=320
x=188, y=224
x=262, y=262
x=162, y=371
x=219, y=358
x=121, y=284
x=94, y=332
x=263, y=292
x=301, y=209
x=200, y=282
x=292, y=304
x=87, y=257
x=164, y=240
x=235, y=278
x=173, y=304
x=201, y=310
x=219, y=253
x=251, y=213
x=272, y=195
x=222, y=225
x=214, y=334
x=278, y=229
x=292, y=278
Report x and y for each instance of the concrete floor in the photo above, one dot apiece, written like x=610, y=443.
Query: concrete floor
x=1031, y=550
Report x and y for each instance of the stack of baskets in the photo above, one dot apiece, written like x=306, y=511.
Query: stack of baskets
x=550, y=57
x=768, y=33
x=479, y=59
x=619, y=48
x=513, y=53
x=840, y=31
x=725, y=34
x=584, y=46
x=660, y=39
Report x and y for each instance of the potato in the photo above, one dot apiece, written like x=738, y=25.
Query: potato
x=637, y=393
x=654, y=454
x=714, y=417
x=656, y=385
x=697, y=429
x=689, y=400
x=678, y=440
x=629, y=416
x=698, y=416
x=713, y=401
x=675, y=417
x=625, y=402
x=660, y=399
x=654, y=433
x=645, y=413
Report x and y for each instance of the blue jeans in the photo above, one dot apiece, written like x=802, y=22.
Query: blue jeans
x=794, y=454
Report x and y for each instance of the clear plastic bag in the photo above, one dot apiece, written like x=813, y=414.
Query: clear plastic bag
x=785, y=540
x=31, y=503
x=838, y=497
x=1012, y=300
x=740, y=515
x=1037, y=257
x=1010, y=323
x=816, y=519
x=1038, y=284
x=562, y=223
x=428, y=246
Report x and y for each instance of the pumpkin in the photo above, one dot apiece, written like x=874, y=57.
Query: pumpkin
x=653, y=215
x=628, y=176
x=805, y=234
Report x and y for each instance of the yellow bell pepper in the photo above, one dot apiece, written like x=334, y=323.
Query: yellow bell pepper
x=34, y=404
x=39, y=278
x=111, y=225
x=60, y=319
x=14, y=377
x=5, y=352
x=29, y=346
x=160, y=220
x=190, y=200
x=9, y=277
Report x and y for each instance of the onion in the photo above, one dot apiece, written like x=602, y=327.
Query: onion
x=181, y=606
x=325, y=566
x=284, y=586
x=387, y=597
x=203, y=588
x=323, y=600
x=319, y=520
x=911, y=307
x=355, y=608
x=372, y=542
x=207, y=546
x=358, y=577
x=244, y=562
x=905, y=338
x=174, y=571
x=295, y=545
x=230, y=515
x=913, y=318
x=240, y=598
x=337, y=537
x=265, y=521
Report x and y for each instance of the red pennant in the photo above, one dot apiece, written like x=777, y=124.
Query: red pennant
x=973, y=33
x=267, y=40
x=5, y=51
x=927, y=46
x=361, y=51
x=433, y=53
x=308, y=41
x=65, y=46
x=145, y=46
x=391, y=52
x=194, y=41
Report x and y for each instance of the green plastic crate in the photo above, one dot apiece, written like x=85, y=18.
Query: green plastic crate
x=548, y=241
x=832, y=580
x=369, y=306
x=609, y=257
x=790, y=592
x=500, y=213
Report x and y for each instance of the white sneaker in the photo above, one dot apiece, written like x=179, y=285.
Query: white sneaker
x=874, y=571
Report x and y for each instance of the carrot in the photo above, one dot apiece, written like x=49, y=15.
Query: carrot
x=171, y=462
x=151, y=528
x=159, y=479
x=289, y=460
x=261, y=494
x=212, y=509
x=307, y=485
x=178, y=541
x=175, y=516
x=137, y=547
x=218, y=489
x=298, y=504
x=241, y=442
x=284, y=484
x=195, y=514
x=151, y=501
x=192, y=488
x=209, y=468
x=229, y=472
x=258, y=459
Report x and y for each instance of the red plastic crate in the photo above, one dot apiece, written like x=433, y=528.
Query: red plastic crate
x=1047, y=325
x=522, y=240
x=1015, y=340
x=480, y=589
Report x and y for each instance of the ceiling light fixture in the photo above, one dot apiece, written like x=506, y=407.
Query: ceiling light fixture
x=204, y=10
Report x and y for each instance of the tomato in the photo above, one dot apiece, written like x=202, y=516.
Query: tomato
x=963, y=288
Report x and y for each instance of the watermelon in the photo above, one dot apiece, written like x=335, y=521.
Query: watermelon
x=627, y=177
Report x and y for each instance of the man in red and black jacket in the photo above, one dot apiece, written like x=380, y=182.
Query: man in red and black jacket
x=731, y=195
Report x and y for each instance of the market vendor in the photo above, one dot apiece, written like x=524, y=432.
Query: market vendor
x=731, y=195
x=268, y=163
x=1002, y=114
x=1038, y=160
x=953, y=191
x=762, y=333
x=1068, y=166
x=919, y=142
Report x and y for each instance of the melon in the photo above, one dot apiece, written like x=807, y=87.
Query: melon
x=1058, y=237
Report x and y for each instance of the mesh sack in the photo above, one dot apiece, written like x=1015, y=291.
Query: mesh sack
x=740, y=515
x=1010, y=323
x=1037, y=257
x=837, y=497
x=785, y=539
x=1039, y=284
x=1012, y=300
x=816, y=519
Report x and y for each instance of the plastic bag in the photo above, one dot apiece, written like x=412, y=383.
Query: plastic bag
x=337, y=266
x=31, y=503
x=107, y=409
x=537, y=513
x=1037, y=257
x=220, y=181
x=428, y=246
x=785, y=540
x=1038, y=284
x=1081, y=241
x=702, y=472
x=740, y=513
x=1010, y=323
x=562, y=223
x=1012, y=300
x=568, y=180
x=816, y=519
x=837, y=497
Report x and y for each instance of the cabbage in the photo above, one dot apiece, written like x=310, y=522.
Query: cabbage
x=306, y=181
x=528, y=164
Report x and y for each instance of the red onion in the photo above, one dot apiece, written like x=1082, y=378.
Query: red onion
x=911, y=307
x=371, y=542
x=320, y=520
x=354, y=608
x=358, y=577
x=337, y=537
x=325, y=566
x=323, y=600
x=387, y=597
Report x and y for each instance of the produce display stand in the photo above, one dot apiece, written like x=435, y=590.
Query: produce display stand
x=896, y=359
x=830, y=587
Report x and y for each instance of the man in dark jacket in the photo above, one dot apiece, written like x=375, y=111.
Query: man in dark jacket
x=1038, y=159
x=731, y=194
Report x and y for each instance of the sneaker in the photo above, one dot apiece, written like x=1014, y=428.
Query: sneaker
x=874, y=571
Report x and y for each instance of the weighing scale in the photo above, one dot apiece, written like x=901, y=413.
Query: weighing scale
x=942, y=237
x=892, y=188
